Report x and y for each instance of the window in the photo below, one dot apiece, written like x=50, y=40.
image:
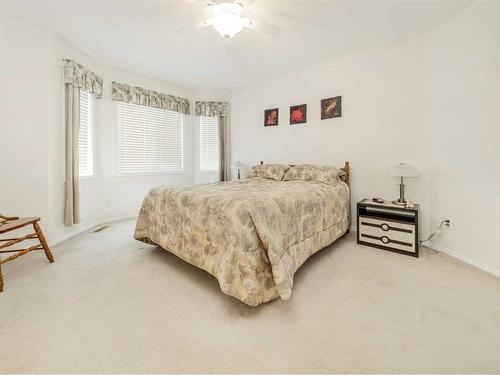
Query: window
x=85, y=137
x=148, y=140
x=209, y=143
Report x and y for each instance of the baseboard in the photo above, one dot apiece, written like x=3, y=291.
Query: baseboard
x=472, y=262
x=86, y=227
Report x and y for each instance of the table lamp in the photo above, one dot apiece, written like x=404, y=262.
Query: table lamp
x=402, y=170
x=238, y=165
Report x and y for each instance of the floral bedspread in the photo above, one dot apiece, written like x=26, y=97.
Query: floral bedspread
x=252, y=234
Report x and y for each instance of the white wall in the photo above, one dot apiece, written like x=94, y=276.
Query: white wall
x=465, y=123
x=32, y=133
x=24, y=55
x=431, y=102
x=384, y=119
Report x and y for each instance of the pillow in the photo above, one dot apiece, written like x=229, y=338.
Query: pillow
x=271, y=171
x=307, y=172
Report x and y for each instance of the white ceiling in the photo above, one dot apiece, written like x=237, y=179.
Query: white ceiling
x=141, y=35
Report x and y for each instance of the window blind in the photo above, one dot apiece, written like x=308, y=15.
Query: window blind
x=209, y=143
x=148, y=140
x=85, y=136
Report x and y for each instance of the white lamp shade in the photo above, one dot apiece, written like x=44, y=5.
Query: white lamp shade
x=238, y=165
x=402, y=170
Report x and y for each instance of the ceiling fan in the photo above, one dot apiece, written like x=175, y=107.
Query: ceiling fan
x=227, y=19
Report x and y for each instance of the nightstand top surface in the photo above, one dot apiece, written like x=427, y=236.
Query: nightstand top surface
x=388, y=204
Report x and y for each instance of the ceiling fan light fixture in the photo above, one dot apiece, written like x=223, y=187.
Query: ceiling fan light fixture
x=227, y=19
x=228, y=25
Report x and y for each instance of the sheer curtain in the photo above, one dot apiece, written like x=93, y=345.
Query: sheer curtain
x=224, y=149
x=72, y=188
x=76, y=77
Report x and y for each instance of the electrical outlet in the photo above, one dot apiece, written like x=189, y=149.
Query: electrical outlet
x=447, y=224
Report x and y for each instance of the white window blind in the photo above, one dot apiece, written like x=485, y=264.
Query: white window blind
x=85, y=137
x=148, y=140
x=209, y=143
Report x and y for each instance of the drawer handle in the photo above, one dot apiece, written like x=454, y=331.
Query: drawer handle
x=386, y=240
x=386, y=227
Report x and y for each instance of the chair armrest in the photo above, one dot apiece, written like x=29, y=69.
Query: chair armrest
x=8, y=217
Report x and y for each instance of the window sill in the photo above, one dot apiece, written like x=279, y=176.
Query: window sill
x=91, y=177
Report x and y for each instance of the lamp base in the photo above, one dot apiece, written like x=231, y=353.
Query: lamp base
x=400, y=202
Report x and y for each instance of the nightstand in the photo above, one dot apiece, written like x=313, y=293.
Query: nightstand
x=388, y=226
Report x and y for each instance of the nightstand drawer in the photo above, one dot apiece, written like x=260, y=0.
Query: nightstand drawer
x=388, y=242
x=383, y=227
x=391, y=234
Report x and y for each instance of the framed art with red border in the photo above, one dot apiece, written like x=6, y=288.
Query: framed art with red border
x=298, y=114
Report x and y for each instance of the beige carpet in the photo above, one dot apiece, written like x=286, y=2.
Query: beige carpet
x=112, y=304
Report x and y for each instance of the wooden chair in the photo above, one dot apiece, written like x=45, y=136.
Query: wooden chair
x=11, y=223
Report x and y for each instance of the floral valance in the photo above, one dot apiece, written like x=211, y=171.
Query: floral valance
x=212, y=109
x=149, y=98
x=78, y=76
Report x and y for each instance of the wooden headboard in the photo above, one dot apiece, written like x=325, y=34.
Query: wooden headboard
x=346, y=169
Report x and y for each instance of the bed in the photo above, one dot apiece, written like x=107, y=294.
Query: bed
x=251, y=234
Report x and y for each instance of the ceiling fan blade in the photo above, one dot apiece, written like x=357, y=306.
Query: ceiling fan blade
x=207, y=3
x=264, y=27
x=244, y=3
x=195, y=26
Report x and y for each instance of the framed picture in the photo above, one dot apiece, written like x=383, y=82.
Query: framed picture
x=298, y=114
x=271, y=117
x=331, y=107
